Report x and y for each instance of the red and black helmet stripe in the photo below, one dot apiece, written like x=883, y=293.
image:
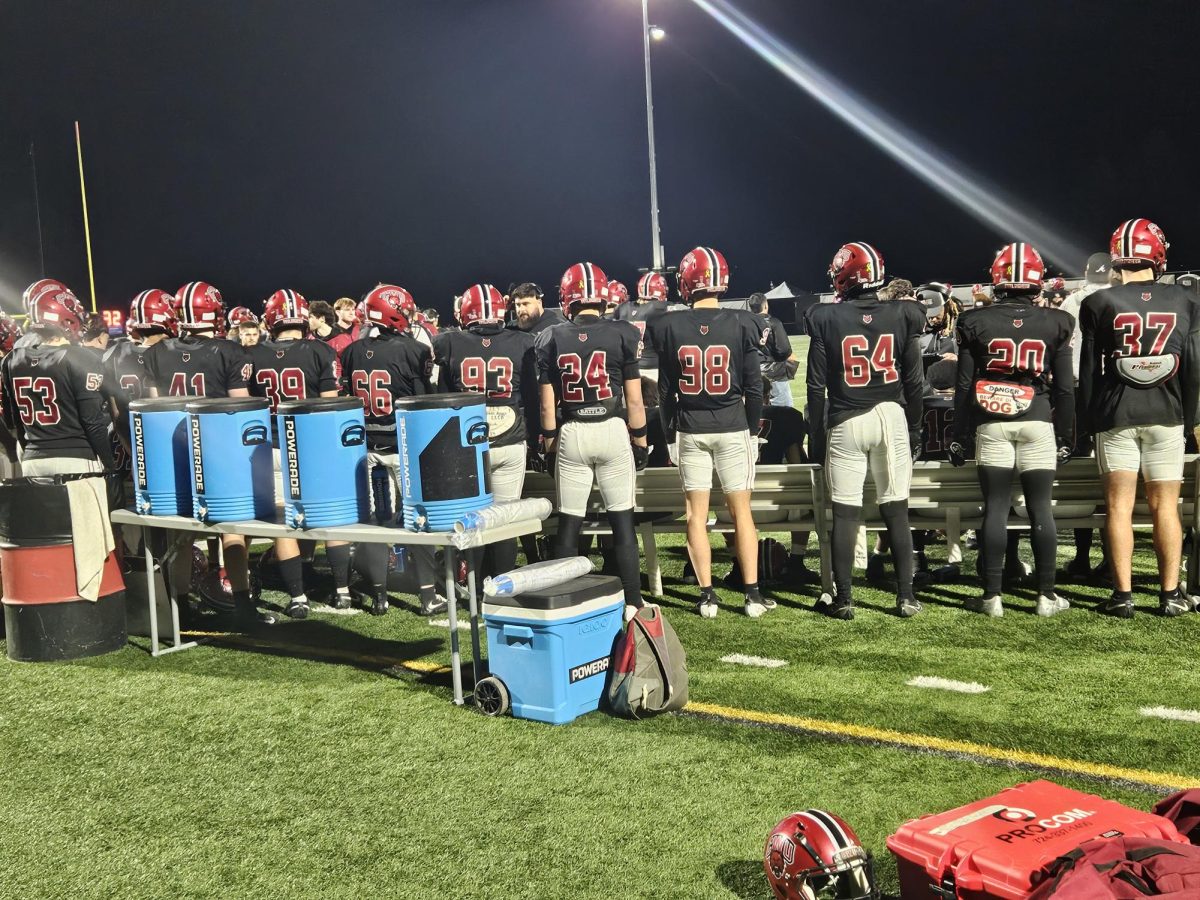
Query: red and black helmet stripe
x=1127, y=238
x=873, y=258
x=714, y=263
x=837, y=834
x=589, y=281
x=486, y=306
x=1018, y=264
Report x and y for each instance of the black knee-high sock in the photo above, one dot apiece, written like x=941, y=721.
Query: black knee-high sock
x=997, y=499
x=372, y=560
x=625, y=548
x=292, y=573
x=566, y=542
x=1083, y=543
x=895, y=517
x=1038, y=485
x=845, y=534
x=339, y=561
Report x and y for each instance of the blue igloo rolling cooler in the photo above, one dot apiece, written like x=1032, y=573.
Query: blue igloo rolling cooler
x=162, y=456
x=443, y=447
x=232, y=476
x=548, y=651
x=323, y=460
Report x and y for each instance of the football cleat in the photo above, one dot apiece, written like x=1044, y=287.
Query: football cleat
x=707, y=607
x=1174, y=605
x=907, y=607
x=988, y=606
x=380, y=606
x=835, y=607
x=755, y=608
x=1118, y=607
x=437, y=605
x=1051, y=605
x=297, y=609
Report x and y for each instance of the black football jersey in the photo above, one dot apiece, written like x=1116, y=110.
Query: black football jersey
x=1138, y=323
x=379, y=370
x=197, y=367
x=587, y=362
x=708, y=378
x=125, y=373
x=1013, y=341
x=780, y=427
x=861, y=353
x=939, y=426
x=499, y=362
x=52, y=394
x=640, y=315
x=774, y=344
x=296, y=369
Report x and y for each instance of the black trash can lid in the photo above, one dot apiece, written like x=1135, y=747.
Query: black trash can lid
x=227, y=404
x=318, y=404
x=160, y=404
x=571, y=593
x=440, y=401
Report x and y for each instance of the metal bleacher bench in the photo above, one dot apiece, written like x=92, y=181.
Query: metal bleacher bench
x=795, y=498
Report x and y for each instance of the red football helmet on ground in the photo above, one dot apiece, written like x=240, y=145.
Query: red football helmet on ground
x=653, y=286
x=240, y=315
x=199, y=306
x=584, y=284
x=1018, y=267
x=617, y=294
x=856, y=267
x=59, y=309
x=153, y=310
x=9, y=332
x=481, y=303
x=42, y=284
x=1138, y=243
x=390, y=307
x=703, y=269
x=814, y=855
x=285, y=309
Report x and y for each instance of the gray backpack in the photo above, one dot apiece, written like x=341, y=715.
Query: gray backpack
x=649, y=668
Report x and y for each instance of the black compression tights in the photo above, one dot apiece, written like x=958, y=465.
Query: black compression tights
x=895, y=517
x=845, y=534
x=625, y=548
x=997, y=494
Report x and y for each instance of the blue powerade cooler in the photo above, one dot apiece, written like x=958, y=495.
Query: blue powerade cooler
x=551, y=649
x=233, y=478
x=443, y=447
x=162, y=456
x=323, y=458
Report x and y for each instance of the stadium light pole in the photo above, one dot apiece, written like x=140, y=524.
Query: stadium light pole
x=651, y=32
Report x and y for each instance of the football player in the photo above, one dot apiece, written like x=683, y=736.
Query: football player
x=10, y=466
x=1139, y=387
x=710, y=401
x=31, y=337
x=290, y=367
x=588, y=371
x=617, y=295
x=388, y=363
x=865, y=383
x=197, y=364
x=244, y=327
x=652, y=293
x=489, y=359
x=1014, y=400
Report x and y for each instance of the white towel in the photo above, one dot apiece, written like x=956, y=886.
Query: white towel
x=91, y=533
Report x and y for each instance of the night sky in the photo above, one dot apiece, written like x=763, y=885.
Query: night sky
x=324, y=147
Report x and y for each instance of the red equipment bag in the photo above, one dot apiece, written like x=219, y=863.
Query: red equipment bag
x=1125, y=868
x=1002, y=847
x=1183, y=809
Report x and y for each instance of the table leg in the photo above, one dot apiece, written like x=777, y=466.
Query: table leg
x=452, y=610
x=473, y=609
x=151, y=593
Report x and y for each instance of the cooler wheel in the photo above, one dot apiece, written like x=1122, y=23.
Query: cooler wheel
x=491, y=696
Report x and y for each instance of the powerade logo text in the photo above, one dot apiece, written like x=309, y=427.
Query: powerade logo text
x=293, y=455
x=1041, y=829
x=587, y=670
x=405, y=479
x=197, y=456
x=139, y=450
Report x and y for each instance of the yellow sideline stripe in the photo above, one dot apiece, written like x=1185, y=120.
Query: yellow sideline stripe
x=1168, y=780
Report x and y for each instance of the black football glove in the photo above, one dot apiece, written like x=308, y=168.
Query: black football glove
x=641, y=457
x=916, y=443
x=958, y=452
x=550, y=459
x=1065, y=451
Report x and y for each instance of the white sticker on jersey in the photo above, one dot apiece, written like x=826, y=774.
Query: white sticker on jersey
x=501, y=420
x=1003, y=399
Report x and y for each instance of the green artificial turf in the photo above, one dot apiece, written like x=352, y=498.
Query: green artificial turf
x=322, y=769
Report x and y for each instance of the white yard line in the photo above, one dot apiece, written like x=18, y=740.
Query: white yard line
x=947, y=684
x=445, y=623
x=740, y=659
x=1166, y=712
x=322, y=610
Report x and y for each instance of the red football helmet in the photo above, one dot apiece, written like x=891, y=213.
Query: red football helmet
x=703, y=269
x=856, y=267
x=653, y=286
x=1018, y=267
x=389, y=307
x=42, y=284
x=9, y=332
x=240, y=315
x=199, y=306
x=285, y=309
x=617, y=294
x=59, y=309
x=1138, y=243
x=814, y=855
x=584, y=284
x=153, y=310
x=360, y=312
x=481, y=303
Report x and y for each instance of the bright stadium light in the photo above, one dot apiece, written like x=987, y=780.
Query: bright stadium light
x=937, y=169
x=656, y=33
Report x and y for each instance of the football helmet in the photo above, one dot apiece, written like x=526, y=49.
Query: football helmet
x=1018, y=267
x=285, y=309
x=653, y=286
x=360, y=312
x=815, y=855
x=241, y=315
x=584, y=284
x=42, y=284
x=1138, y=243
x=151, y=311
x=703, y=269
x=617, y=294
x=855, y=267
x=199, y=306
x=9, y=332
x=389, y=307
x=481, y=303
x=59, y=309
